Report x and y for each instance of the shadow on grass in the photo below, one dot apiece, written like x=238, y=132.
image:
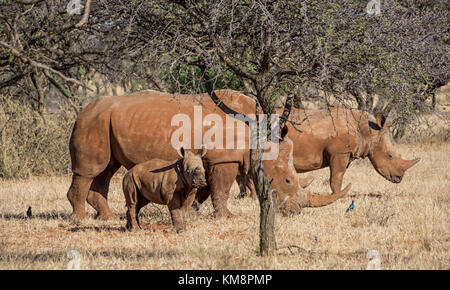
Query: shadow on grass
x=43, y=215
x=370, y=194
x=146, y=217
x=20, y=258
x=297, y=250
x=97, y=229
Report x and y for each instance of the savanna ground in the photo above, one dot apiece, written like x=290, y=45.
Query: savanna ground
x=407, y=223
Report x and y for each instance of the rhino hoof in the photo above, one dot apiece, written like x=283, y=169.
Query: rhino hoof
x=223, y=213
x=76, y=220
x=133, y=229
x=78, y=216
x=192, y=214
x=106, y=216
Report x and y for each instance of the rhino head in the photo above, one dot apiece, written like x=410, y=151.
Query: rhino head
x=192, y=167
x=289, y=196
x=386, y=162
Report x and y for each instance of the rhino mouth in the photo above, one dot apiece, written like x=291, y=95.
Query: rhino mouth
x=396, y=178
x=199, y=184
x=294, y=205
x=390, y=177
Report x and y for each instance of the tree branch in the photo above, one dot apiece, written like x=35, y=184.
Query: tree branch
x=36, y=64
x=220, y=50
x=29, y=2
x=61, y=90
x=84, y=19
x=38, y=87
x=286, y=111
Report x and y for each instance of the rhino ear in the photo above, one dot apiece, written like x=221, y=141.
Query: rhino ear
x=284, y=132
x=383, y=122
x=381, y=119
x=181, y=152
x=388, y=123
x=202, y=151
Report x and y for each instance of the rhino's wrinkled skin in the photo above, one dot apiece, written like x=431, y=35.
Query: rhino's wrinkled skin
x=128, y=130
x=334, y=137
x=245, y=183
x=163, y=182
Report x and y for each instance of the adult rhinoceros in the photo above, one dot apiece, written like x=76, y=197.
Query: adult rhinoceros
x=127, y=130
x=336, y=136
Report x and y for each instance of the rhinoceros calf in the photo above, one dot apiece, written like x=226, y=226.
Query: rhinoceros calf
x=163, y=182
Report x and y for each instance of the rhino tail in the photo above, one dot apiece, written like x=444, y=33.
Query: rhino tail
x=315, y=200
x=130, y=188
x=89, y=158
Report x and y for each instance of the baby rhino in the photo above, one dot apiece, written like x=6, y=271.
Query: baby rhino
x=173, y=183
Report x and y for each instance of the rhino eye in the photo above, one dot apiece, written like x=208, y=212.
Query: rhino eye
x=389, y=156
x=288, y=181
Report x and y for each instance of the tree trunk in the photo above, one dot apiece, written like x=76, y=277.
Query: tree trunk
x=37, y=85
x=267, y=241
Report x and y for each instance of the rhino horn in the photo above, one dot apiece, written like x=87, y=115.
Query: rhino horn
x=410, y=163
x=315, y=200
x=305, y=182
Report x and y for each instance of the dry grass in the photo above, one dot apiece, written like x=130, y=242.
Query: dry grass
x=408, y=224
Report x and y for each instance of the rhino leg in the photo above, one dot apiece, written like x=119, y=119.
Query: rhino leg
x=246, y=186
x=132, y=199
x=176, y=212
x=338, y=165
x=142, y=201
x=77, y=195
x=132, y=223
x=240, y=180
x=98, y=193
x=251, y=187
x=177, y=219
x=191, y=207
x=221, y=178
x=201, y=196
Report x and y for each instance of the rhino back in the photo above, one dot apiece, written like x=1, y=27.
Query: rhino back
x=156, y=180
x=320, y=133
x=139, y=126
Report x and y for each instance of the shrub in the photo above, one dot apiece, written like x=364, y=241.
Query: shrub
x=33, y=144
